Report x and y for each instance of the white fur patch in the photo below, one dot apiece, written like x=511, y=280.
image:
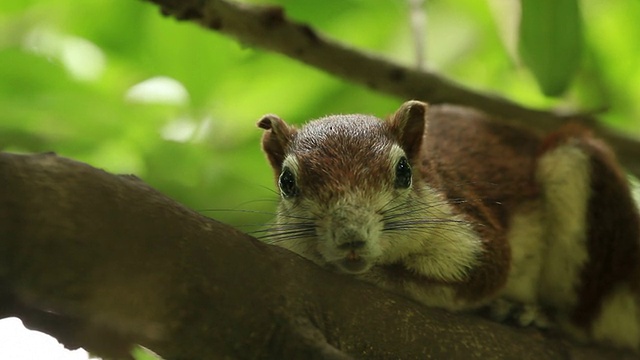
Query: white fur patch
x=619, y=321
x=565, y=177
x=526, y=238
x=395, y=153
x=291, y=162
x=447, y=250
x=519, y=298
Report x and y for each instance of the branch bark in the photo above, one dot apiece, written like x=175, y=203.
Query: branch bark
x=104, y=262
x=267, y=27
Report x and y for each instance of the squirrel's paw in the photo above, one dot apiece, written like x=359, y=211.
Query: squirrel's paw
x=521, y=314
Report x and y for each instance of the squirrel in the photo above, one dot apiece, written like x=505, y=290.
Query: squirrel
x=455, y=210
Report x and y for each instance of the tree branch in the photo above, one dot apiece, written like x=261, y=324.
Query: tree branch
x=268, y=28
x=105, y=261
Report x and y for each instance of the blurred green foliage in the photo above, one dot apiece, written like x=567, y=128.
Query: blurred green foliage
x=550, y=42
x=73, y=73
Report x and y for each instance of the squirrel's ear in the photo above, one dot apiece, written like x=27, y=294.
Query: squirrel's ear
x=275, y=140
x=408, y=125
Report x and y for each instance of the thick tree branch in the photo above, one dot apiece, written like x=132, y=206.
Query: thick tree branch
x=268, y=28
x=104, y=261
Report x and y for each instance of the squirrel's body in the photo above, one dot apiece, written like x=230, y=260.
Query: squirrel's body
x=458, y=212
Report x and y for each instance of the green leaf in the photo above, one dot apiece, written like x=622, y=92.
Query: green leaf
x=550, y=42
x=141, y=353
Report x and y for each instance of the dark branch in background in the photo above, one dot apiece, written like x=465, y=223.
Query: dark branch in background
x=104, y=261
x=268, y=28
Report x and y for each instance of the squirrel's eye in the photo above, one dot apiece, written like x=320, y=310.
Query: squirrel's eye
x=287, y=183
x=403, y=174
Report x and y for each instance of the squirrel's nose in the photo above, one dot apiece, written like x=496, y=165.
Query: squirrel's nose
x=352, y=245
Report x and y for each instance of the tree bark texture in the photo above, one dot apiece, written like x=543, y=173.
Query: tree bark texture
x=104, y=261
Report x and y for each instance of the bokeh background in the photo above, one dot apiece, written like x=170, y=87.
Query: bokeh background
x=115, y=84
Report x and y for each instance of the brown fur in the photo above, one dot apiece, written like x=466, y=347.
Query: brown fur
x=275, y=142
x=486, y=171
x=490, y=167
x=328, y=172
x=613, y=224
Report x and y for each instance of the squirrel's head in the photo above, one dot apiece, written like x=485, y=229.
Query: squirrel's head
x=343, y=181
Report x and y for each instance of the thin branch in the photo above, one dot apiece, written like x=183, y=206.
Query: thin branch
x=418, y=21
x=267, y=27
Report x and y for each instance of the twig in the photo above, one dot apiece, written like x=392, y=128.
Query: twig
x=418, y=20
